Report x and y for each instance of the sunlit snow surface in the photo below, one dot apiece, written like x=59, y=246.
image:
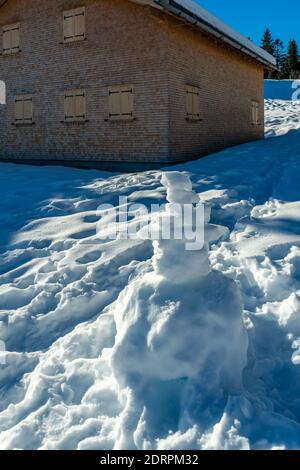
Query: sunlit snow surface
x=106, y=351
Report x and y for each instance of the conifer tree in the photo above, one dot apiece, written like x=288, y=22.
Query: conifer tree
x=280, y=56
x=267, y=42
x=291, y=66
x=268, y=45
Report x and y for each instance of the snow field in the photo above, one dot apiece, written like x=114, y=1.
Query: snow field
x=129, y=344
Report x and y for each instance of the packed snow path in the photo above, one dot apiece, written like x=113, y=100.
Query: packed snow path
x=66, y=299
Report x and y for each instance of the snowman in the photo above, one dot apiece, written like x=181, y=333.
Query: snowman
x=181, y=342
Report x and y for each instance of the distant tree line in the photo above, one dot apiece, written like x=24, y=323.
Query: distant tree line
x=287, y=58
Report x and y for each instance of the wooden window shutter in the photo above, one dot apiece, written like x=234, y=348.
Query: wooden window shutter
x=255, y=113
x=114, y=103
x=75, y=107
x=192, y=103
x=74, y=25
x=252, y=113
x=79, y=24
x=68, y=27
x=19, y=109
x=196, y=103
x=27, y=108
x=15, y=38
x=189, y=103
x=121, y=102
x=23, y=109
x=79, y=104
x=6, y=42
x=69, y=106
x=126, y=102
x=11, y=39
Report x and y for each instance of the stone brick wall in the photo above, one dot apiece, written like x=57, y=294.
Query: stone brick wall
x=228, y=83
x=126, y=44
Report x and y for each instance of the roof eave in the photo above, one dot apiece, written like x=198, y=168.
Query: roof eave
x=189, y=17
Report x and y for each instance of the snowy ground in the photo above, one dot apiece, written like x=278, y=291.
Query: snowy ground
x=110, y=346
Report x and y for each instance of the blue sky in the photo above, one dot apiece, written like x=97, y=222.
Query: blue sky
x=251, y=17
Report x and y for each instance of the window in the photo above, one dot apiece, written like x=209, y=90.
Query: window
x=74, y=25
x=23, y=109
x=74, y=105
x=11, y=39
x=255, y=113
x=192, y=103
x=121, y=102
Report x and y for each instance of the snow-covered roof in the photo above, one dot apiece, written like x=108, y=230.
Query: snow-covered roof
x=193, y=13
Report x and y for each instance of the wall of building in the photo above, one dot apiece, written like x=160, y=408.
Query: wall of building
x=125, y=45
x=228, y=82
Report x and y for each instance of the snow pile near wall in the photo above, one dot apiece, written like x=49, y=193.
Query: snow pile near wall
x=128, y=343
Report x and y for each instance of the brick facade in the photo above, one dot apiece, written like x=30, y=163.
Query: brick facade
x=228, y=83
x=125, y=44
